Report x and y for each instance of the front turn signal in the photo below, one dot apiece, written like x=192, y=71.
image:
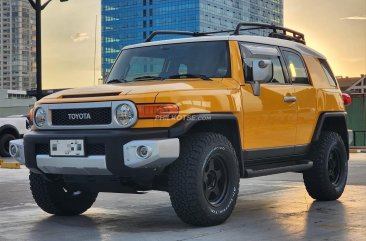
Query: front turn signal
x=31, y=116
x=153, y=111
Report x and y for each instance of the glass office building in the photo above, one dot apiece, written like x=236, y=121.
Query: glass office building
x=130, y=22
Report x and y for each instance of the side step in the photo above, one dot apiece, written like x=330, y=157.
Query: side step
x=258, y=171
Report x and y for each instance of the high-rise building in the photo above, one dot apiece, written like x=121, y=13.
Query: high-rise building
x=17, y=45
x=129, y=22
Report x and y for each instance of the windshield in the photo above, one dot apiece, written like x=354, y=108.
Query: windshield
x=184, y=60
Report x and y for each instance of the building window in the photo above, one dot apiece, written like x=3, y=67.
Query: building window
x=144, y=24
x=151, y=23
x=144, y=13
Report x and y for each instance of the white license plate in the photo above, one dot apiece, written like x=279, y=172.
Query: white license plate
x=67, y=148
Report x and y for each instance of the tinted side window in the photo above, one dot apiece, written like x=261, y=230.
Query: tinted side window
x=278, y=76
x=296, y=68
x=252, y=52
x=328, y=72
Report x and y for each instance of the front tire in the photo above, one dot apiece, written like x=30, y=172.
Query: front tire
x=54, y=198
x=204, y=180
x=327, y=178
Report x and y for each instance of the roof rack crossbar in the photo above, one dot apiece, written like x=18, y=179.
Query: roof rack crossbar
x=169, y=32
x=296, y=36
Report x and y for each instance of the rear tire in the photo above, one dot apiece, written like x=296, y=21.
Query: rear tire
x=4, y=144
x=327, y=178
x=53, y=198
x=204, y=181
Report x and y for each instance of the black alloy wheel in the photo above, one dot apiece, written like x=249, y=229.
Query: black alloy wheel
x=215, y=180
x=334, y=166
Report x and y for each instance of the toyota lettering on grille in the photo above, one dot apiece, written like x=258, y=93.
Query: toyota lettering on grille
x=79, y=116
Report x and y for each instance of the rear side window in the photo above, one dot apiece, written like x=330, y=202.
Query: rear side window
x=328, y=72
x=296, y=68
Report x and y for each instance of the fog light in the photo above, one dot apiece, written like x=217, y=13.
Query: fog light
x=13, y=150
x=144, y=152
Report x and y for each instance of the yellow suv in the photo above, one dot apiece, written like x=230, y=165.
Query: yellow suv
x=191, y=116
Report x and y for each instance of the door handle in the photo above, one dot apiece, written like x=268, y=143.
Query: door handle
x=289, y=99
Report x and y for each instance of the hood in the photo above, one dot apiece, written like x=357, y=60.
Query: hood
x=148, y=88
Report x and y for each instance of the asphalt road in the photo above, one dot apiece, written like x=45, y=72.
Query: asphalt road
x=268, y=208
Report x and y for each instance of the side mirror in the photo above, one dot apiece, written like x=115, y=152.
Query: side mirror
x=262, y=73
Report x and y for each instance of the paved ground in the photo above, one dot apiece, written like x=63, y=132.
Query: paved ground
x=269, y=208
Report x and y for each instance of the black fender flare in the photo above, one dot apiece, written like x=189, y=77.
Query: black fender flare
x=186, y=124
x=321, y=120
x=332, y=115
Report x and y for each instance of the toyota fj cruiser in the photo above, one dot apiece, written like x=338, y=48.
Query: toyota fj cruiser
x=191, y=116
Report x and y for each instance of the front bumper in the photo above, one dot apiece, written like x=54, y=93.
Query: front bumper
x=115, y=154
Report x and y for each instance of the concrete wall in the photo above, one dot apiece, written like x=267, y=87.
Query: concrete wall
x=15, y=106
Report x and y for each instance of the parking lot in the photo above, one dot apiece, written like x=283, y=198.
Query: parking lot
x=268, y=208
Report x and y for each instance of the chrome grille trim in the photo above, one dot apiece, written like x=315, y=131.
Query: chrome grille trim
x=110, y=104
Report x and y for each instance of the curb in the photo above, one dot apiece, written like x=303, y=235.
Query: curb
x=9, y=165
x=357, y=150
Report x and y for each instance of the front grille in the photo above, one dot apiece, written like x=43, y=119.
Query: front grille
x=42, y=149
x=90, y=149
x=95, y=149
x=85, y=116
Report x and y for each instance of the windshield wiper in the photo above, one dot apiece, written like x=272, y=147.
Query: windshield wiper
x=117, y=81
x=148, y=77
x=200, y=76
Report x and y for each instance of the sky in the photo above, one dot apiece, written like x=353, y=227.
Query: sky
x=336, y=28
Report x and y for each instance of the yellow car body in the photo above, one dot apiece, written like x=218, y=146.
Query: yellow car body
x=295, y=123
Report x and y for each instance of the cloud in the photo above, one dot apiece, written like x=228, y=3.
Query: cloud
x=80, y=37
x=355, y=18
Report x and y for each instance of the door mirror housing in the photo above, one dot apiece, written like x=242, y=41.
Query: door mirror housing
x=262, y=73
x=262, y=70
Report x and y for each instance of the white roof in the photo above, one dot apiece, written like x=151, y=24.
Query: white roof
x=301, y=48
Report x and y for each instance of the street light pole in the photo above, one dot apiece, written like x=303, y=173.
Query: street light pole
x=38, y=7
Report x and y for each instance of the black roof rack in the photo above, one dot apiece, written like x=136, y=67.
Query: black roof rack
x=277, y=32
x=296, y=36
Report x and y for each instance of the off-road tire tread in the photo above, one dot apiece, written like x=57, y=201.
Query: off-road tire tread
x=182, y=179
x=316, y=180
x=44, y=193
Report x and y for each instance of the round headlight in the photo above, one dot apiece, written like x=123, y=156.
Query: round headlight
x=40, y=117
x=126, y=114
